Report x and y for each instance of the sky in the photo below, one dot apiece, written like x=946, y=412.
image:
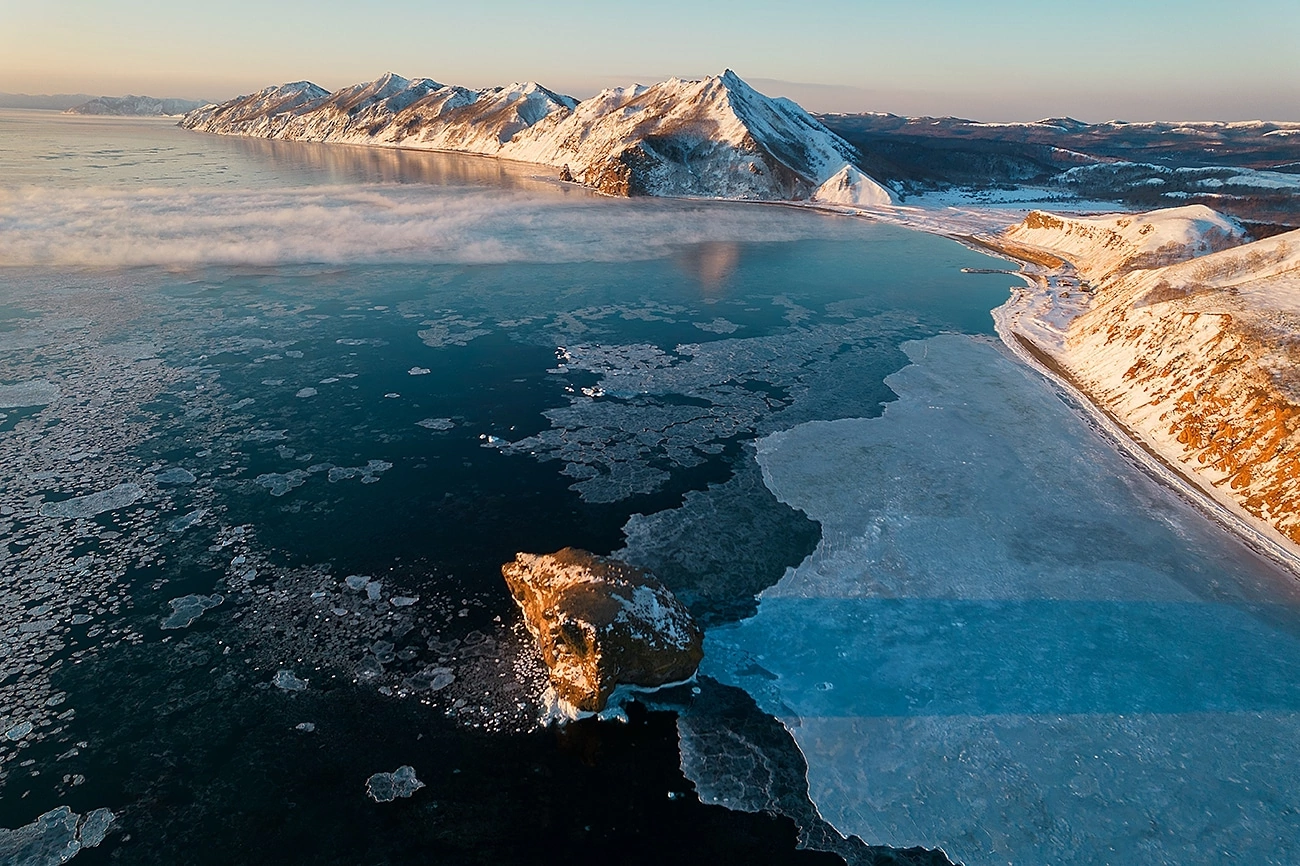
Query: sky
x=996, y=60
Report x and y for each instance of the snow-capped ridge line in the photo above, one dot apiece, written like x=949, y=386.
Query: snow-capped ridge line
x=713, y=137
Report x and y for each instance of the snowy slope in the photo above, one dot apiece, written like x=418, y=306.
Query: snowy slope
x=253, y=114
x=1195, y=356
x=714, y=137
x=1113, y=243
x=851, y=187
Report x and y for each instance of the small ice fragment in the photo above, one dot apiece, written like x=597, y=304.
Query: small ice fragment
x=373, y=589
x=284, y=679
x=175, y=475
x=306, y=392
x=94, y=503
x=369, y=668
x=339, y=611
x=392, y=394
x=386, y=787
x=95, y=827
x=356, y=581
x=18, y=731
x=305, y=727
x=188, y=608
x=419, y=371
x=404, y=600
x=329, y=380
x=436, y=423
x=184, y=522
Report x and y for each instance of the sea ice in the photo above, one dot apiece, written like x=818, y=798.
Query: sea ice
x=188, y=608
x=94, y=503
x=419, y=371
x=185, y=521
x=18, y=731
x=285, y=679
x=655, y=410
x=36, y=392
x=368, y=474
x=54, y=838
x=48, y=841
x=175, y=475
x=281, y=483
x=95, y=827
x=386, y=787
x=436, y=423
x=452, y=330
x=306, y=392
x=431, y=679
x=1012, y=645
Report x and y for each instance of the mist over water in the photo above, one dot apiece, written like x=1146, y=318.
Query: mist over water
x=104, y=194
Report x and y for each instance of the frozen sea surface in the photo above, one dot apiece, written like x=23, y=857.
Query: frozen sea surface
x=1012, y=645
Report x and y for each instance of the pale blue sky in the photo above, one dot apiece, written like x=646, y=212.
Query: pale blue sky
x=1014, y=59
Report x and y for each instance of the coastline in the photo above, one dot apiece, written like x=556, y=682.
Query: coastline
x=1012, y=322
x=1257, y=535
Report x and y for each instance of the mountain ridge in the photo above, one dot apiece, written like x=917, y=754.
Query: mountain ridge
x=714, y=137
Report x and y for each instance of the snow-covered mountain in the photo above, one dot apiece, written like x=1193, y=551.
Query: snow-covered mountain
x=134, y=106
x=714, y=137
x=1185, y=335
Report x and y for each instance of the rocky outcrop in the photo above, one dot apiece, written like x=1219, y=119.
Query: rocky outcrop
x=601, y=623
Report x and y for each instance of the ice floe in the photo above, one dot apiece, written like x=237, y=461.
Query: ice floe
x=93, y=504
x=1011, y=644
x=188, y=608
x=655, y=410
x=285, y=679
x=55, y=837
x=36, y=392
x=387, y=787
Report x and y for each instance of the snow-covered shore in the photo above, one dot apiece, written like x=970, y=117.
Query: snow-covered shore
x=1175, y=333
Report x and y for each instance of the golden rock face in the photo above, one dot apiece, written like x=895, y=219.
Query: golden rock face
x=601, y=623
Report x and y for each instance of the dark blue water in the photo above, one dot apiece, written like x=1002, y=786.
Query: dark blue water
x=373, y=366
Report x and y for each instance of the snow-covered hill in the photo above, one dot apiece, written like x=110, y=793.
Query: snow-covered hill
x=1186, y=339
x=714, y=137
x=1112, y=244
x=134, y=106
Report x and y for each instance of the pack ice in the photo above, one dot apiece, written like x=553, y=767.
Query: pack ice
x=1012, y=645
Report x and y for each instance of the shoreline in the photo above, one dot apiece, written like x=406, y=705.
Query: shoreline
x=1254, y=533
